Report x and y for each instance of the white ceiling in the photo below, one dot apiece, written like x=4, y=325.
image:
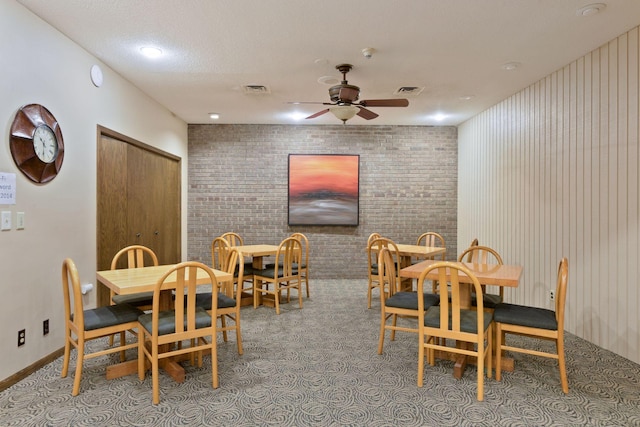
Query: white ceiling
x=452, y=48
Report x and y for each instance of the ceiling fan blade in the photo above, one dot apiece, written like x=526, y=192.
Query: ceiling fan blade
x=366, y=114
x=348, y=94
x=319, y=113
x=385, y=103
x=309, y=102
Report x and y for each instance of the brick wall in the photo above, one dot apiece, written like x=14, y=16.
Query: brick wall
x=238, y=182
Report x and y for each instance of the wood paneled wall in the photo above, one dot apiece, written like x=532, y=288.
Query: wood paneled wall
x=552, y=171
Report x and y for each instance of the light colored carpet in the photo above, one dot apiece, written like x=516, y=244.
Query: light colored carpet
x=319, y=366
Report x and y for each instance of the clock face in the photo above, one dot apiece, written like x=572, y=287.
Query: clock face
x=36, y=143
x=45, y=144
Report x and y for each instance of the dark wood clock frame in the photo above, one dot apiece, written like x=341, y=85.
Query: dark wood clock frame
x=27, y=119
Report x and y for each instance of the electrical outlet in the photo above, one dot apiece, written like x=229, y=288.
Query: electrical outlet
x=552, y=295
x=21, y=337
x=45, y=327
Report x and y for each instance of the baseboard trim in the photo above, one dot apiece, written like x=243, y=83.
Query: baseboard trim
x=24, y=373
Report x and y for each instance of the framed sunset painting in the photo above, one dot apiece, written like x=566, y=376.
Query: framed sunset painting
x=324, y=189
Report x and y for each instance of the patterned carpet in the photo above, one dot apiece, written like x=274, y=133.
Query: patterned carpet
x=319, y=366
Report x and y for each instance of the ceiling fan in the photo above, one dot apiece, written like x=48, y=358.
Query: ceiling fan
x=344, y=99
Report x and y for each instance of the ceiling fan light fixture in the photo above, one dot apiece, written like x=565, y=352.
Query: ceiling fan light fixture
x=344, y=112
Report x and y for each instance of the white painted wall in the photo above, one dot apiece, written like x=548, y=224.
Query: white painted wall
x=40, y=65
x=553, y=171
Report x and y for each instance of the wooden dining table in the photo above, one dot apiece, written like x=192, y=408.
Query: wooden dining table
x=409, y=252
x=257, y=252
x=134, y=280
x=487, y=274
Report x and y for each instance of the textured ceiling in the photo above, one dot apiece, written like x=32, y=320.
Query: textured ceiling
x=451, y=48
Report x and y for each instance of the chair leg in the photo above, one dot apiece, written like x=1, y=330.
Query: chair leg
x=141, y=355
x=369, y=291
x=154, y=375
x=420, y=360
x=276, y=298
x=306, y=282
x=123, y=339
x=79, y=362
x=394, y=322
x=238, y=333
x=67, y=355
x=481, y=357
x=300, y=294
x=255, y=293
x=500, y=337
x=383, y=321
x=214, y=363
x=223, y=322
x=489, y=352
x=562, y=364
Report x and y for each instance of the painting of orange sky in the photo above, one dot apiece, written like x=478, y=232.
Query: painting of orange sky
x=323, y=189
x=311, y=173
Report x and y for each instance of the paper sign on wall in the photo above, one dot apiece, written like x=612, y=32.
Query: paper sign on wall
x=7, y=188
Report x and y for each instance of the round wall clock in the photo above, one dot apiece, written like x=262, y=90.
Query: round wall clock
x=36, y=143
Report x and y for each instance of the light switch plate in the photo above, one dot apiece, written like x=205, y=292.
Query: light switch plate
x=19, y=220
x=6, y=220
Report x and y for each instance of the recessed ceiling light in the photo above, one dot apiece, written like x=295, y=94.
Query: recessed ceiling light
x=151, y=52
x=214, y=116
x=590, y=9
x=510, y=66
x=466, y=97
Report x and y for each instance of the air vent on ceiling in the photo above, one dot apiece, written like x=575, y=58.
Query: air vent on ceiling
x=256, y=90
x=409, y=91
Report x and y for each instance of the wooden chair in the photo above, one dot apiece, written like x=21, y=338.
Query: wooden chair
x=374, y=244
x=220, y=248
x=484, y=255
x=135, y=258
x=88, y=325
x=219, y=253
x=474, y=242
x=234, y=239
x=398, y=303
x=434, y=240
x=449, y=321
x=372, y=267
x=229, y=299
x=282, y=274
x=535, y=322
x=303, y=264
x=184, y=322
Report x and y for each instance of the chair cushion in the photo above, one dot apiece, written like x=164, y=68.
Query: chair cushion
x=203, y=300
x=137, y=300
x=488, y=300
x=248, y=270
x=522, y=315
x=166, y=321
x=110, y=315
x=409, y=300
x=468, y=319
x=294, y=266
x=270, y=272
